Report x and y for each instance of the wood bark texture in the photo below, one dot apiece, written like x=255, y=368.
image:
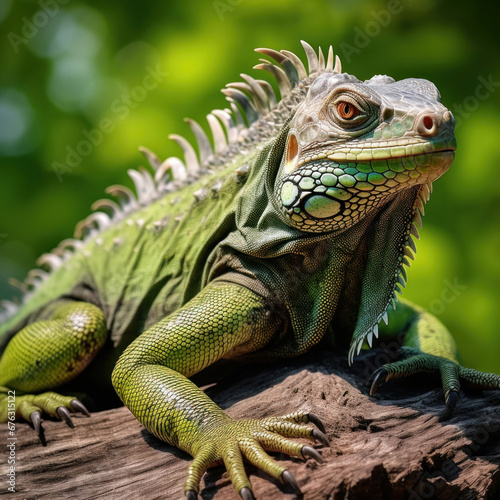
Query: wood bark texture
x=391, y=446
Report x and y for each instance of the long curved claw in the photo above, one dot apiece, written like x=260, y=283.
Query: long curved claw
x=191, y=495
x=317, y=422
x=319, y=436
x=246, y=494
x=289, y=478
x=79, y=406
x=307, y=451
x=451, y=402
x=36, y=418
x=64, y=415
x=378, y=377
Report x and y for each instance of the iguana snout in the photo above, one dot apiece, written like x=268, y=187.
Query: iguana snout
x=433, y=123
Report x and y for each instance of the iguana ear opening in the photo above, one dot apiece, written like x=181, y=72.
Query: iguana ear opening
x=292, y=154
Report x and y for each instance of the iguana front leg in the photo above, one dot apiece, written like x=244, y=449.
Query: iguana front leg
x=150, y=378
x=47, y=354
x=428, y=347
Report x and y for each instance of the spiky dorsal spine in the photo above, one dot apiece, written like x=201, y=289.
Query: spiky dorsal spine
x=254, y=114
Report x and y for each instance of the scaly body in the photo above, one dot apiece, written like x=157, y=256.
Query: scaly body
x=295, y=226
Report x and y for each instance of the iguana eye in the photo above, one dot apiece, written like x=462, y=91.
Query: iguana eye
x=346, y=110
x=349, y=110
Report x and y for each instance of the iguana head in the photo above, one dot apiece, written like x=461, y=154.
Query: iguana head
x=352, y=144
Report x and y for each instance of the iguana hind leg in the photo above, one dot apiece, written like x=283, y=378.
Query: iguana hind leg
x=47, y=354
x=150, y=378
x=429, y=348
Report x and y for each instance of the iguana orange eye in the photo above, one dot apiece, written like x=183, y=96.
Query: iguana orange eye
x=346, y=110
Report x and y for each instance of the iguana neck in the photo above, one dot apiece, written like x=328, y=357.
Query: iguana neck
x=325, y=270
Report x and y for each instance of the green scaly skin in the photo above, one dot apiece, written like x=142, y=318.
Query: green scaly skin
x=429, y=348
x=300, y=227
x=47, y=354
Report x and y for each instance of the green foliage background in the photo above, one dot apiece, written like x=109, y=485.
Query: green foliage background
x=64, y=77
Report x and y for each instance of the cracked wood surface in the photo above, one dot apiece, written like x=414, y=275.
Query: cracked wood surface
x=388, y=447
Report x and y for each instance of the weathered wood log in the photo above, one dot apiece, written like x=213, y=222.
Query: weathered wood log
x=388, y=447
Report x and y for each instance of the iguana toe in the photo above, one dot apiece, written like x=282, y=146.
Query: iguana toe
x=33, y=407
x=452, y=374
x=236, y=440
x=480, y=380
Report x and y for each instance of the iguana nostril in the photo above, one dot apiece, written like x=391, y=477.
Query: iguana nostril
x=428, y=124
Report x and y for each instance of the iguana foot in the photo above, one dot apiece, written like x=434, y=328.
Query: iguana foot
x=31, y=407
x=451, y=375
x=234, y=440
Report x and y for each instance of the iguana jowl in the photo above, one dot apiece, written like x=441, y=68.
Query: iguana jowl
x=294, y=225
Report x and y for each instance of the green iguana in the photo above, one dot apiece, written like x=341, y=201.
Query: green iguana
x=295, y=224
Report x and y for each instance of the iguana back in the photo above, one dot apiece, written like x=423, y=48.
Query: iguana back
x=145, y=255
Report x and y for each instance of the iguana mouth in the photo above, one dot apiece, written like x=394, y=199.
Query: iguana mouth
x=351, y=152
x=440, y=151
x=443, y=150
